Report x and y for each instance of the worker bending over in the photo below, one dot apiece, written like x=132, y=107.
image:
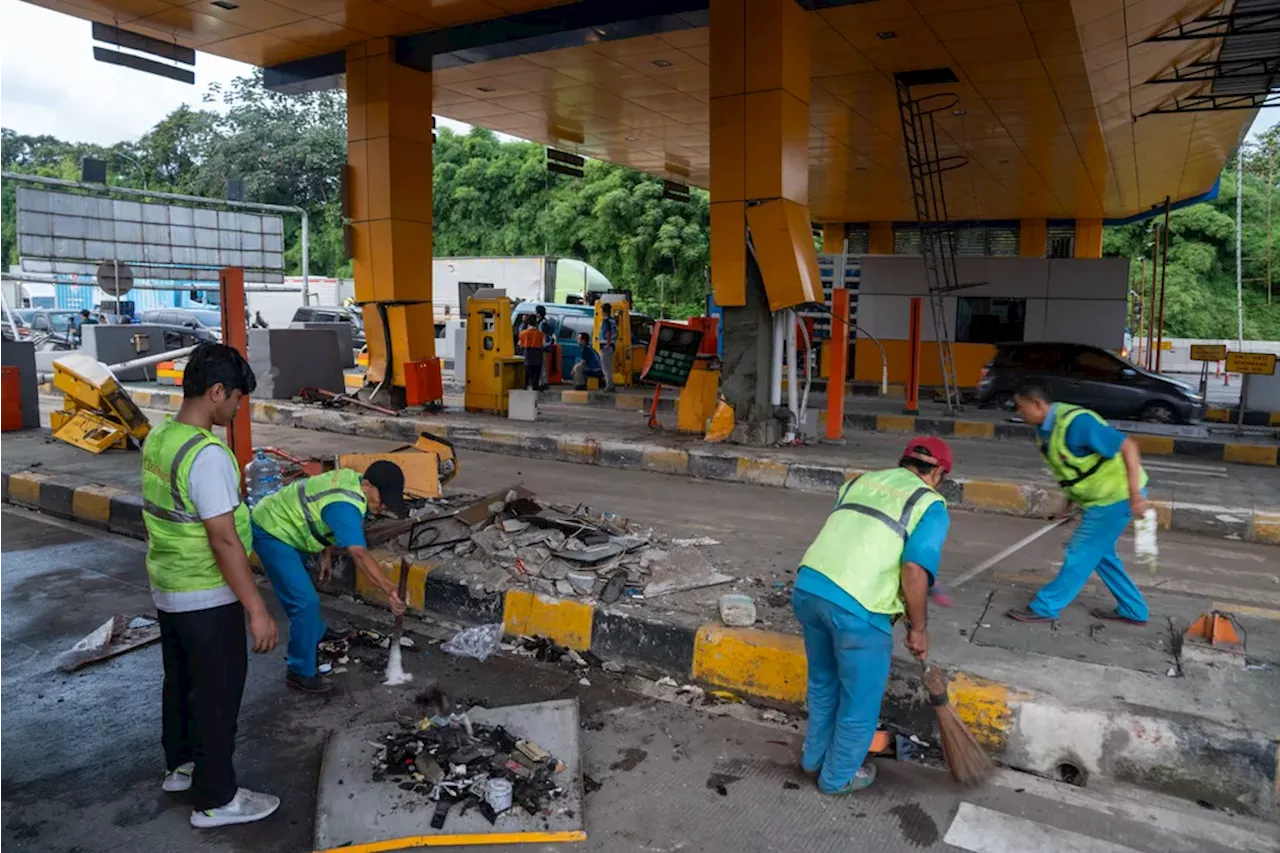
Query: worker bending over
x=198, y=565
x=1100, y=469
x=876, y=556
x=313, y=516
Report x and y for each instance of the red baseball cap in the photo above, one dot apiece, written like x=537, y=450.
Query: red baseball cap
x=931, y=449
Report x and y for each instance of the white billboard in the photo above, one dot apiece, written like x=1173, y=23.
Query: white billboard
x=67, y=233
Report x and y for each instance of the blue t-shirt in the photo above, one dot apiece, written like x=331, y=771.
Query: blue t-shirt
x=1085, y=435
x=608, y=332
x=924, y=548
x=589, y=358
x=347, y=523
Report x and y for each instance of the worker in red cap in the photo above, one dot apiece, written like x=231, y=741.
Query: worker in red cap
x=873, y=561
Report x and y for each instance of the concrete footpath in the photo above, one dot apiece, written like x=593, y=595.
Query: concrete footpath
x=1079, y=699
x=1229, y=501
x=1257, y=444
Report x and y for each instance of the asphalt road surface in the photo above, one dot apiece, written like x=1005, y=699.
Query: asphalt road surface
x=82, y=762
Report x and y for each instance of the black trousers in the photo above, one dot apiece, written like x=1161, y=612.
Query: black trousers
x=205, y=661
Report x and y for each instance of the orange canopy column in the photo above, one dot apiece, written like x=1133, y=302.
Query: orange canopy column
x=389, y=202
x=760, y=67
x=1088, y=242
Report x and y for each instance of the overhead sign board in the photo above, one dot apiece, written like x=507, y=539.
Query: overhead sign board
x=66, y=233
x=1208, y=352
x=1257, y=363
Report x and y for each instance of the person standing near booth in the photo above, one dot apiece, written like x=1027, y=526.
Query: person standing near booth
x=608, y=342
x=548, y=329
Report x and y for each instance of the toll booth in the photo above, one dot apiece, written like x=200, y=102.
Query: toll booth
x=624, y=368
x=494, y=366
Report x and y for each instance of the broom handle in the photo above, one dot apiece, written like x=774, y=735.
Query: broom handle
x=401, y=590
x=1007, y=552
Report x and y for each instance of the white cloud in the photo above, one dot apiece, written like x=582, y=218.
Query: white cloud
x=50, y=82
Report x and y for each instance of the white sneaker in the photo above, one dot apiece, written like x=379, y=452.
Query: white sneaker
x=246, y=807
x=179, y=779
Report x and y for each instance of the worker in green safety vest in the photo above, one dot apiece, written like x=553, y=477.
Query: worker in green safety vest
x=198, y=565
x=874, y=560
x=1100, y=469
x=314, y=516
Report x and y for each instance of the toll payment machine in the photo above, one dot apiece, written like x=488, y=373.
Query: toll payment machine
x=623, y=367
x=494, y=366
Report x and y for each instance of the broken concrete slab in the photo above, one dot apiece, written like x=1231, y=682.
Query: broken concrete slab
x=117, y=635
x=685, y=568
x=583, y=583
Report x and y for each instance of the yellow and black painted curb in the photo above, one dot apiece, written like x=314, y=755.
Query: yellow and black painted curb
x=1153, y=445
x=1028, y=498
x=1164, y=750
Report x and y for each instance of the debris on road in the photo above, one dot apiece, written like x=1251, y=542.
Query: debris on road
x=509, y=538
x=117, y=635
x=737, y=610
x=452, y=761
x=478, y=642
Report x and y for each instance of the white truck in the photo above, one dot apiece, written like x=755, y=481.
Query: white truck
x=535, y=279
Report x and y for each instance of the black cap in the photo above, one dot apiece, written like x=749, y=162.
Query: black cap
x=389, y=480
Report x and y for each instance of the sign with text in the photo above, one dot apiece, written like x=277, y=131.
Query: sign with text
x=672, y=352
x=1208, y=352
x=1257, y=363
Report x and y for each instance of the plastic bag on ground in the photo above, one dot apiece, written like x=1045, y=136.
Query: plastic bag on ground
x=1145, y=549
x=478, y=642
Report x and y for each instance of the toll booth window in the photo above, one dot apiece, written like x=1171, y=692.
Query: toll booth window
x=985, y=320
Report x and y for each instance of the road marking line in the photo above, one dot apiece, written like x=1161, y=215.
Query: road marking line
x=982, y=830
x=1185, y=466
x=1150, y=809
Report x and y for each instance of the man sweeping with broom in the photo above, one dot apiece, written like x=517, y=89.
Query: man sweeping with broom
x=874, y=559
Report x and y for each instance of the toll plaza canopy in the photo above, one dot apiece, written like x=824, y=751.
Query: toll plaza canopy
x=789, y=111
x=1063, y=107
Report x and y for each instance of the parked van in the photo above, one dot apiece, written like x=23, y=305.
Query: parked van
x=569, y=320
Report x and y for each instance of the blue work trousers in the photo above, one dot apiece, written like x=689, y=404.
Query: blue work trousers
x=848, y=669
x=1093, y=549
x=284, y=566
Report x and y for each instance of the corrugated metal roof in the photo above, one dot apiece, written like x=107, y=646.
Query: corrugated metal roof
x=1240, y=48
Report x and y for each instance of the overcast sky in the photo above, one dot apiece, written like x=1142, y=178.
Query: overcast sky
x=50, y=83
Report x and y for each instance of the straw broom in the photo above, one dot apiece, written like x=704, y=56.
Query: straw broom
x=965, y=757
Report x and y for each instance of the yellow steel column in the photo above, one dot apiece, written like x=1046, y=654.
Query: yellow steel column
x=832, y=237
x=880, y=238
x=1088, y=242
x=759, y=132
x=389, y=190
x=1033, y=238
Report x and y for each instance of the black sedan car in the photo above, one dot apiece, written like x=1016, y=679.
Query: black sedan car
x=1091, y=377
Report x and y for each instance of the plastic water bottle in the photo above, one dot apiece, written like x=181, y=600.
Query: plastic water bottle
x=262, y=476
x=1144, y=540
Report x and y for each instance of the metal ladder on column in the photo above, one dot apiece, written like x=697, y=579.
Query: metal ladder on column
x=937, y=238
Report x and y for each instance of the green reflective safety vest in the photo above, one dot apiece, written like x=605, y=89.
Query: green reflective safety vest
x=1091, y=480
x=179, y=557
x=860, y=546
x=292, y=514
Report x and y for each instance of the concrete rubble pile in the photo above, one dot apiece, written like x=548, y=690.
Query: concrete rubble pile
x=509, y=539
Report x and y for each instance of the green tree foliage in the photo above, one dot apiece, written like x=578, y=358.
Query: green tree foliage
x=490, y=197
x=1200, y=283
x=495, y=198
